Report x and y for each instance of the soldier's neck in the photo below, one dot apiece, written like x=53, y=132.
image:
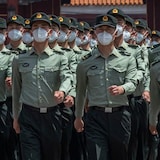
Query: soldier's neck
x=15, y=44
x=72, y=44
x=53, y=44
x=40, y=47
x=86, y=47
x=1, y=47
x=106, y=50
x=118, y=41
x=64, y=44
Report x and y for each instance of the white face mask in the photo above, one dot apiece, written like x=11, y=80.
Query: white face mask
x=139, y=37
x=15, y=35
x=104, y=38
x=126, y=35
x=154, y=43
x=148, y=42
x=72, y=36
x=93, y=43
x=78, y=41
x=53, y=37
x=2, y=38
x=27, y=38
x=62, y=37
x=119, y=30
x=40, y=35
x=86, y=40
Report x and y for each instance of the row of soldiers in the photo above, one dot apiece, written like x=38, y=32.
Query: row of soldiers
x=38, y=86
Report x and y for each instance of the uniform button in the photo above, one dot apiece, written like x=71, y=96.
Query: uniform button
x=107, y=79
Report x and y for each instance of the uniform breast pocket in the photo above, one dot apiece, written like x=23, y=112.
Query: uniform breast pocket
x=51, y=74
x=95, y=78
x=26, y=73
x=117, y=75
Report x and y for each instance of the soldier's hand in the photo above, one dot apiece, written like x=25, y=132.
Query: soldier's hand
x=79, y=124
x=116, y=90
x=153, y=130
x=8, y=82
x=59, y=96
x=68, y=101
x=146, y=96
x=16, y=126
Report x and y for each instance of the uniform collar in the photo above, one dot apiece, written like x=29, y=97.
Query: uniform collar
x=57, y=48
x=124, y=44
x=114, y=52
x=47, y=51
x=21, y=47
x=4, y=49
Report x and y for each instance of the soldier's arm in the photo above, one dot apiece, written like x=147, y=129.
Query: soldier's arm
x=16, y=88
x=155, y=97
x=80, y=90
x=131, y=76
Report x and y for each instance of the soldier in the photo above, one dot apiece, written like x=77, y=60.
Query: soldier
x=7, y=134
x=154, y=119
x=155, y=37
x=67, y=113
x=106, y=77
x=27, y=37
x=41, y=79
x=55, y=33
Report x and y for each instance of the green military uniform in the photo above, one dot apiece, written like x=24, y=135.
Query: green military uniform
x=155, y=93
x=7, y=135
x=136, y=52
x=5, y=71
x=38, y=75
x=96, y=74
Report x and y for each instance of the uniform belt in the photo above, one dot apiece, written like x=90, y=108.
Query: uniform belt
x=40, y=110
x=109, y=109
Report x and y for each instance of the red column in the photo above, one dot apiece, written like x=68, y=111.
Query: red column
x=12, y=7
x=153, y=7
x=56, y=7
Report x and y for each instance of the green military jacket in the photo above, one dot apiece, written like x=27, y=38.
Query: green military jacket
x=5, y=71
x=72, y=64
x=96, y=74
x=137, y=53
x=37, y=77
x=154, y=93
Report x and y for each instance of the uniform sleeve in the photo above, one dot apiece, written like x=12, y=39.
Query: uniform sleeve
x=9, y=70
x=131, y=76
x=80, y=90
x=73, y=66
x=16, y=88
x=65, y=75
x=155, y=96
x=140, y=65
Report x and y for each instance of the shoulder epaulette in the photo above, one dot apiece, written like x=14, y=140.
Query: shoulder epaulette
x=22, y=51
x=155, y=46
x=86, y=56
x=123, y=51
x=6, y=52
x=58, y=52
x=66, y=49
x=155, y=62
x=121, y=48
x=133, y=46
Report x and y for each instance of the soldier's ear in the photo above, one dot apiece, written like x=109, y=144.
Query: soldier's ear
x=50, y=32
